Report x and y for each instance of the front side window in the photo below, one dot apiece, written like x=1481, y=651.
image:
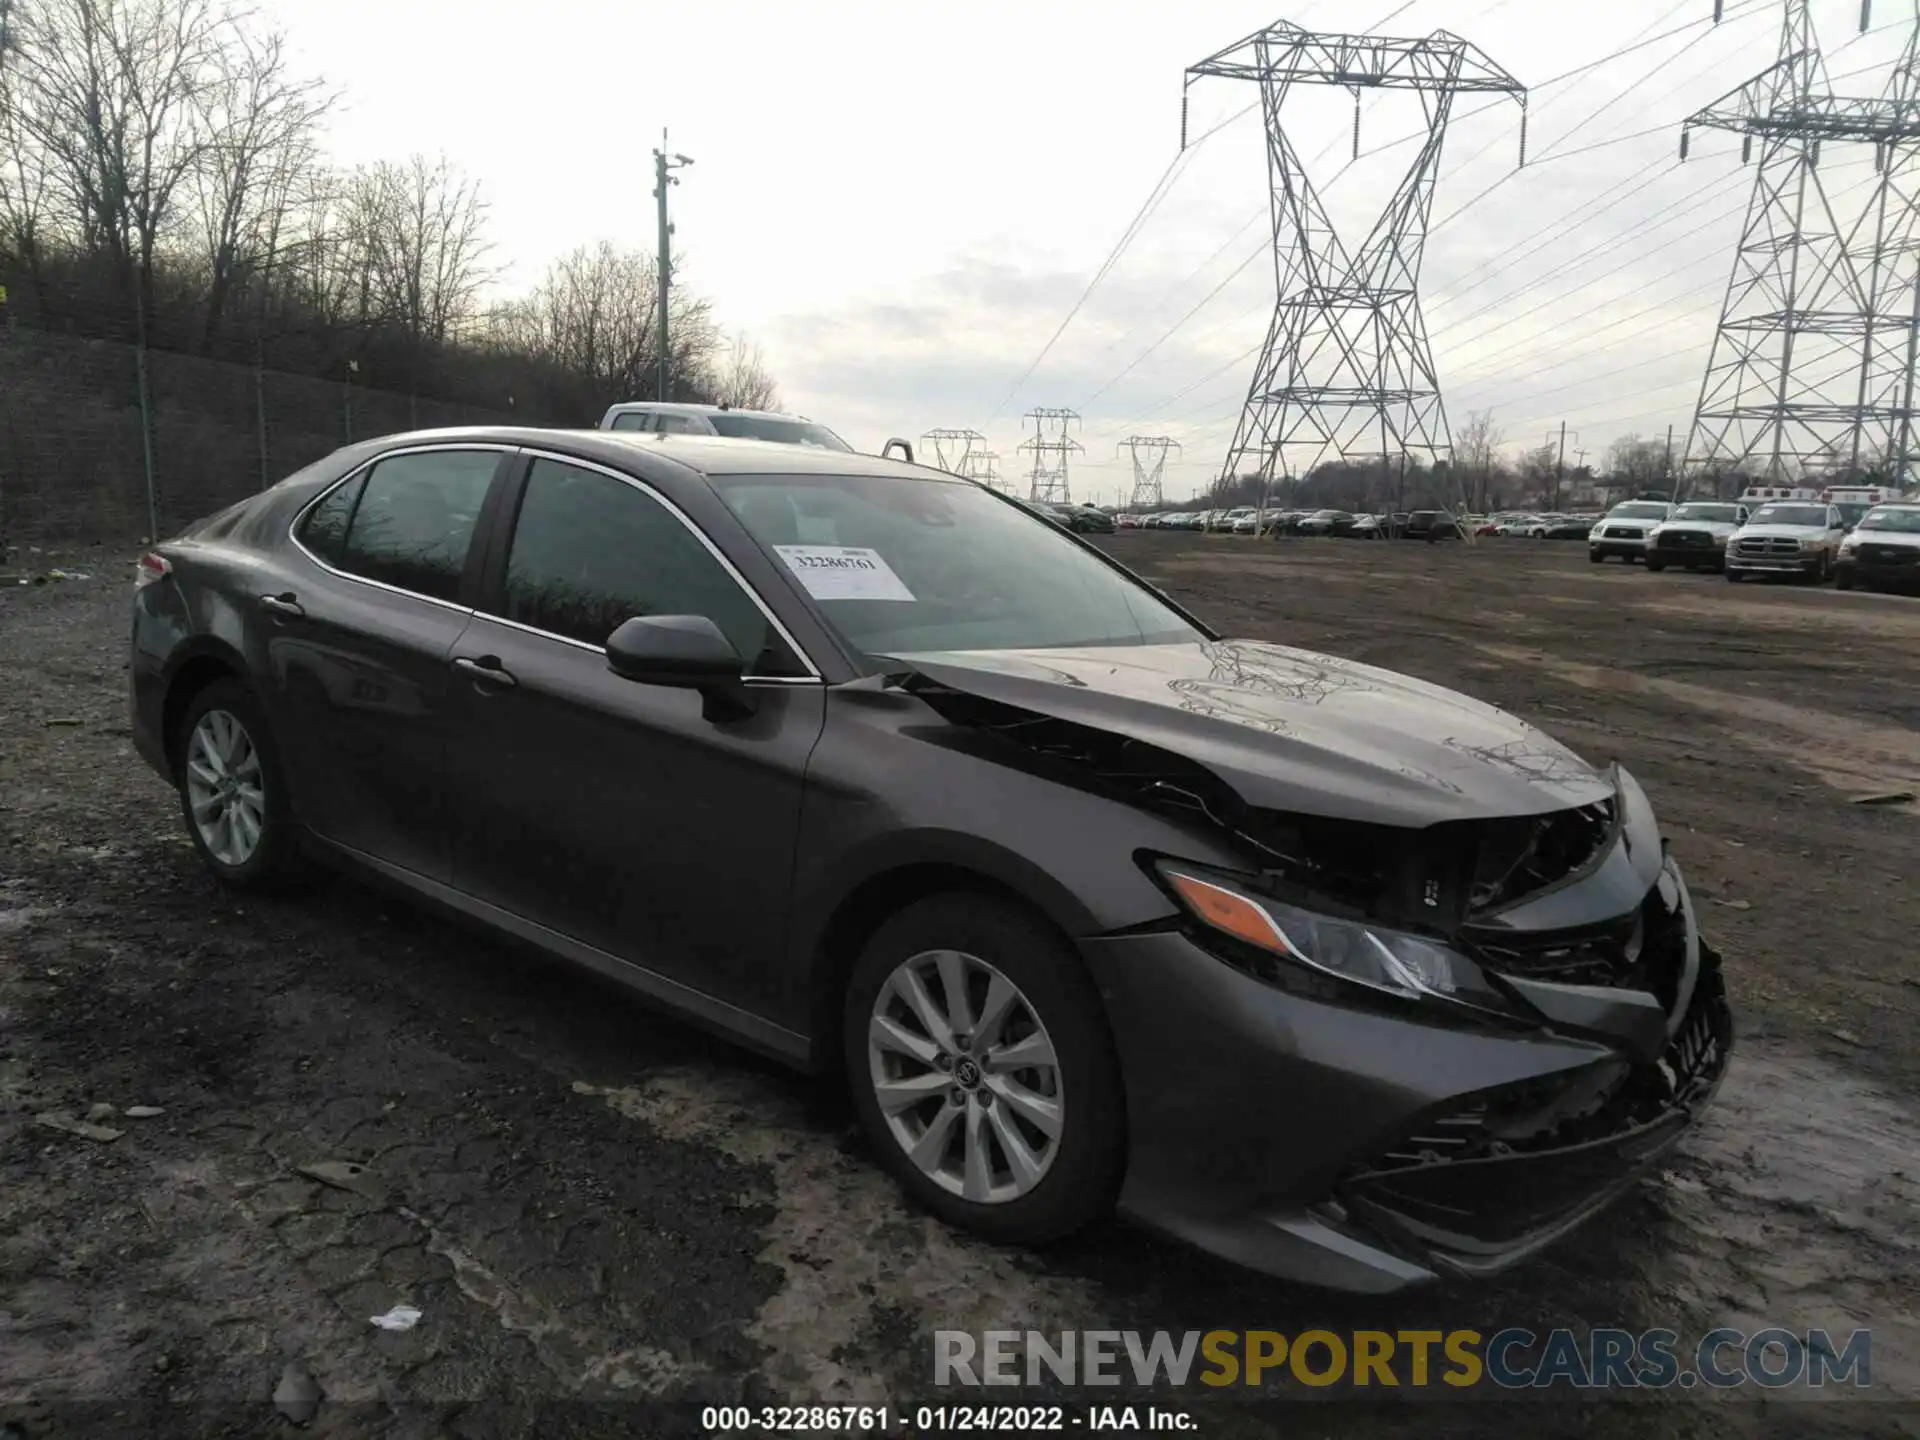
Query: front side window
x=901, y=566
x=411, y=520
x=590, y=552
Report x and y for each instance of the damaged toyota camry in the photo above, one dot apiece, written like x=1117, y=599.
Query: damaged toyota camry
x=1329, y=971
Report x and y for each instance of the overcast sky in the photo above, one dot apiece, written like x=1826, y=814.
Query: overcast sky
x=901, y=210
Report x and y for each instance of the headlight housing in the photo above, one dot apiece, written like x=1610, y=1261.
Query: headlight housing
x=1851, y=543
x=1286, y=945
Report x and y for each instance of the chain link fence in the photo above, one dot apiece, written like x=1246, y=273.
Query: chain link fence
x=105, y=443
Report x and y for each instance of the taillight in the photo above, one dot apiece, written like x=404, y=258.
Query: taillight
x=152, y=567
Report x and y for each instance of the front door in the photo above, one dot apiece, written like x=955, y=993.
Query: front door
x=610, y=811
x=358, y=645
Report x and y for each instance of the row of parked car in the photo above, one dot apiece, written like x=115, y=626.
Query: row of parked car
x=1872, y=545
x=1331, y=524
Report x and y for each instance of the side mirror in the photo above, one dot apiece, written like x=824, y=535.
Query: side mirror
x=686, y=652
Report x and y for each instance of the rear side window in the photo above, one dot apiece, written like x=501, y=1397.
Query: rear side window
x=591, y=552
x=324, y=531
x=631, y=420
x=413, y=520
x=678, y=425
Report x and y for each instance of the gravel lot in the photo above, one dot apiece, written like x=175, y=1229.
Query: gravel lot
x=590, y=1203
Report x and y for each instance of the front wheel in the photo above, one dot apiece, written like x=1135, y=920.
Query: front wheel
x=1654, y=567
x=1843, y=580
x=1595, y=556
x=231, y=791
x=981, y=1067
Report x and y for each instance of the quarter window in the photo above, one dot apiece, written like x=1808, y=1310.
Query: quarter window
x=411, y=521
x=590, y=552
x=324, y=531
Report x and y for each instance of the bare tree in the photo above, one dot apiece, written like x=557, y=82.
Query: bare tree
x=1475, y=449
x=1634, y=464
x=1539, y=469
x=109, y=93
x=592, y=314
x=743, y=381
x=425, y=227
x=262, y=128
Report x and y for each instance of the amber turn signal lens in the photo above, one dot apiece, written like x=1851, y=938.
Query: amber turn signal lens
x=1228, y=912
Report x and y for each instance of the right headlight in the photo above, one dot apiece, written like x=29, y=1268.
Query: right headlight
x=1849, y=544
x=1274, y=937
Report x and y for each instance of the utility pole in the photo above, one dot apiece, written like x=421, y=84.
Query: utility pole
x=1666, y=470
x=951, y=448
x=663, y=167
x=1050, y=452
x=1346, y=363
x=1560, y=465
x=1149, y=454
x=1807, y=362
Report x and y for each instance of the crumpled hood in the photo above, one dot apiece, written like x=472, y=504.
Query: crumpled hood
x=1292, y=730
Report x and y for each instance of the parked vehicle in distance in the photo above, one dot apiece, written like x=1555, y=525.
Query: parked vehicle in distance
x=1431, y=525
x=1787, y=537
x=654, y=417
x=1882, y=551
x=1695, y=536
x=836, y=739
x=1624, y=530
x=1367, y=527
x=1324, y=523
x=1090, y=520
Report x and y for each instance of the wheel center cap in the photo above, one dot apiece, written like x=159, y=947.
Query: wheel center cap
x=966, y=1073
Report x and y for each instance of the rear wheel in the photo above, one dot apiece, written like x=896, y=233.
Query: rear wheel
x=1596, y=557
x=1655, y=566
x=981, y=1067
x=1843, y=580
x=231, y=792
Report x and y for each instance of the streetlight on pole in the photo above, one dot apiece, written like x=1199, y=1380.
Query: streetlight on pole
x=663, y=167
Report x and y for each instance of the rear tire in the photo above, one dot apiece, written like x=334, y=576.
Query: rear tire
x=233, y=794
x=1843, y=580
x=1049, y=1008
x=1596, y=557
x=1654, y=567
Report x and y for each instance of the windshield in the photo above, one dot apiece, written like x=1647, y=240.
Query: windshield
x=1851, y=511
x=1778, y=514
x=1904, y=520
x=1725, y=514
x=1638, y=510
x=767, y=427
x=900, y=566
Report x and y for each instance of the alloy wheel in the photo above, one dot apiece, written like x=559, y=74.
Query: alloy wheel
x=226, y=789
x=966, y=1076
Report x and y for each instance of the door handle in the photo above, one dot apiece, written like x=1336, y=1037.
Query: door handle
x=487, y=670
x=282, y=605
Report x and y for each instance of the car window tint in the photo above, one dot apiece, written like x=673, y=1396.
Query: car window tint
x=590, y=552
x=631, y=420
x=416, y=518
x=324, y=531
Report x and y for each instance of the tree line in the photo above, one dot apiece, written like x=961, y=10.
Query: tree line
x=164, y=181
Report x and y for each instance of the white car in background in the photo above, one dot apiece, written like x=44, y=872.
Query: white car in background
x=1788, y=537
x=656, y=417
x=1696, y=536
x=1882, y=550
x=1623, y=531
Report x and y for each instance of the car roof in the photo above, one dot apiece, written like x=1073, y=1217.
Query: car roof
x=706, y=455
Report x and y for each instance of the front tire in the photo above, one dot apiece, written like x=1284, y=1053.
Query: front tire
x=1654, y=567
x=981, y=1067
x=232, y=794
x=1596, y=557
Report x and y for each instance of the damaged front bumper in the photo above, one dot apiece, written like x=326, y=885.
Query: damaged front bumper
x=1370, y=1151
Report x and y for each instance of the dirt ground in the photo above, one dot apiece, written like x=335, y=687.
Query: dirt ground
x=590, y=1204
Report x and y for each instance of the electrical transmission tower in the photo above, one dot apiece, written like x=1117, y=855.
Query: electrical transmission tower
x=1051, y=444
x=1149, y=454
x=952, y=447
x=983, y=465
x=1346, y=366
x=1812, y=364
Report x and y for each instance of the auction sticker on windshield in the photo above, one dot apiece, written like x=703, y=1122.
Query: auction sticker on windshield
x=843, y=572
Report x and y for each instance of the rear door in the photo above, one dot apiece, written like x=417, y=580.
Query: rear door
x=612, y=812
x=358, y=649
